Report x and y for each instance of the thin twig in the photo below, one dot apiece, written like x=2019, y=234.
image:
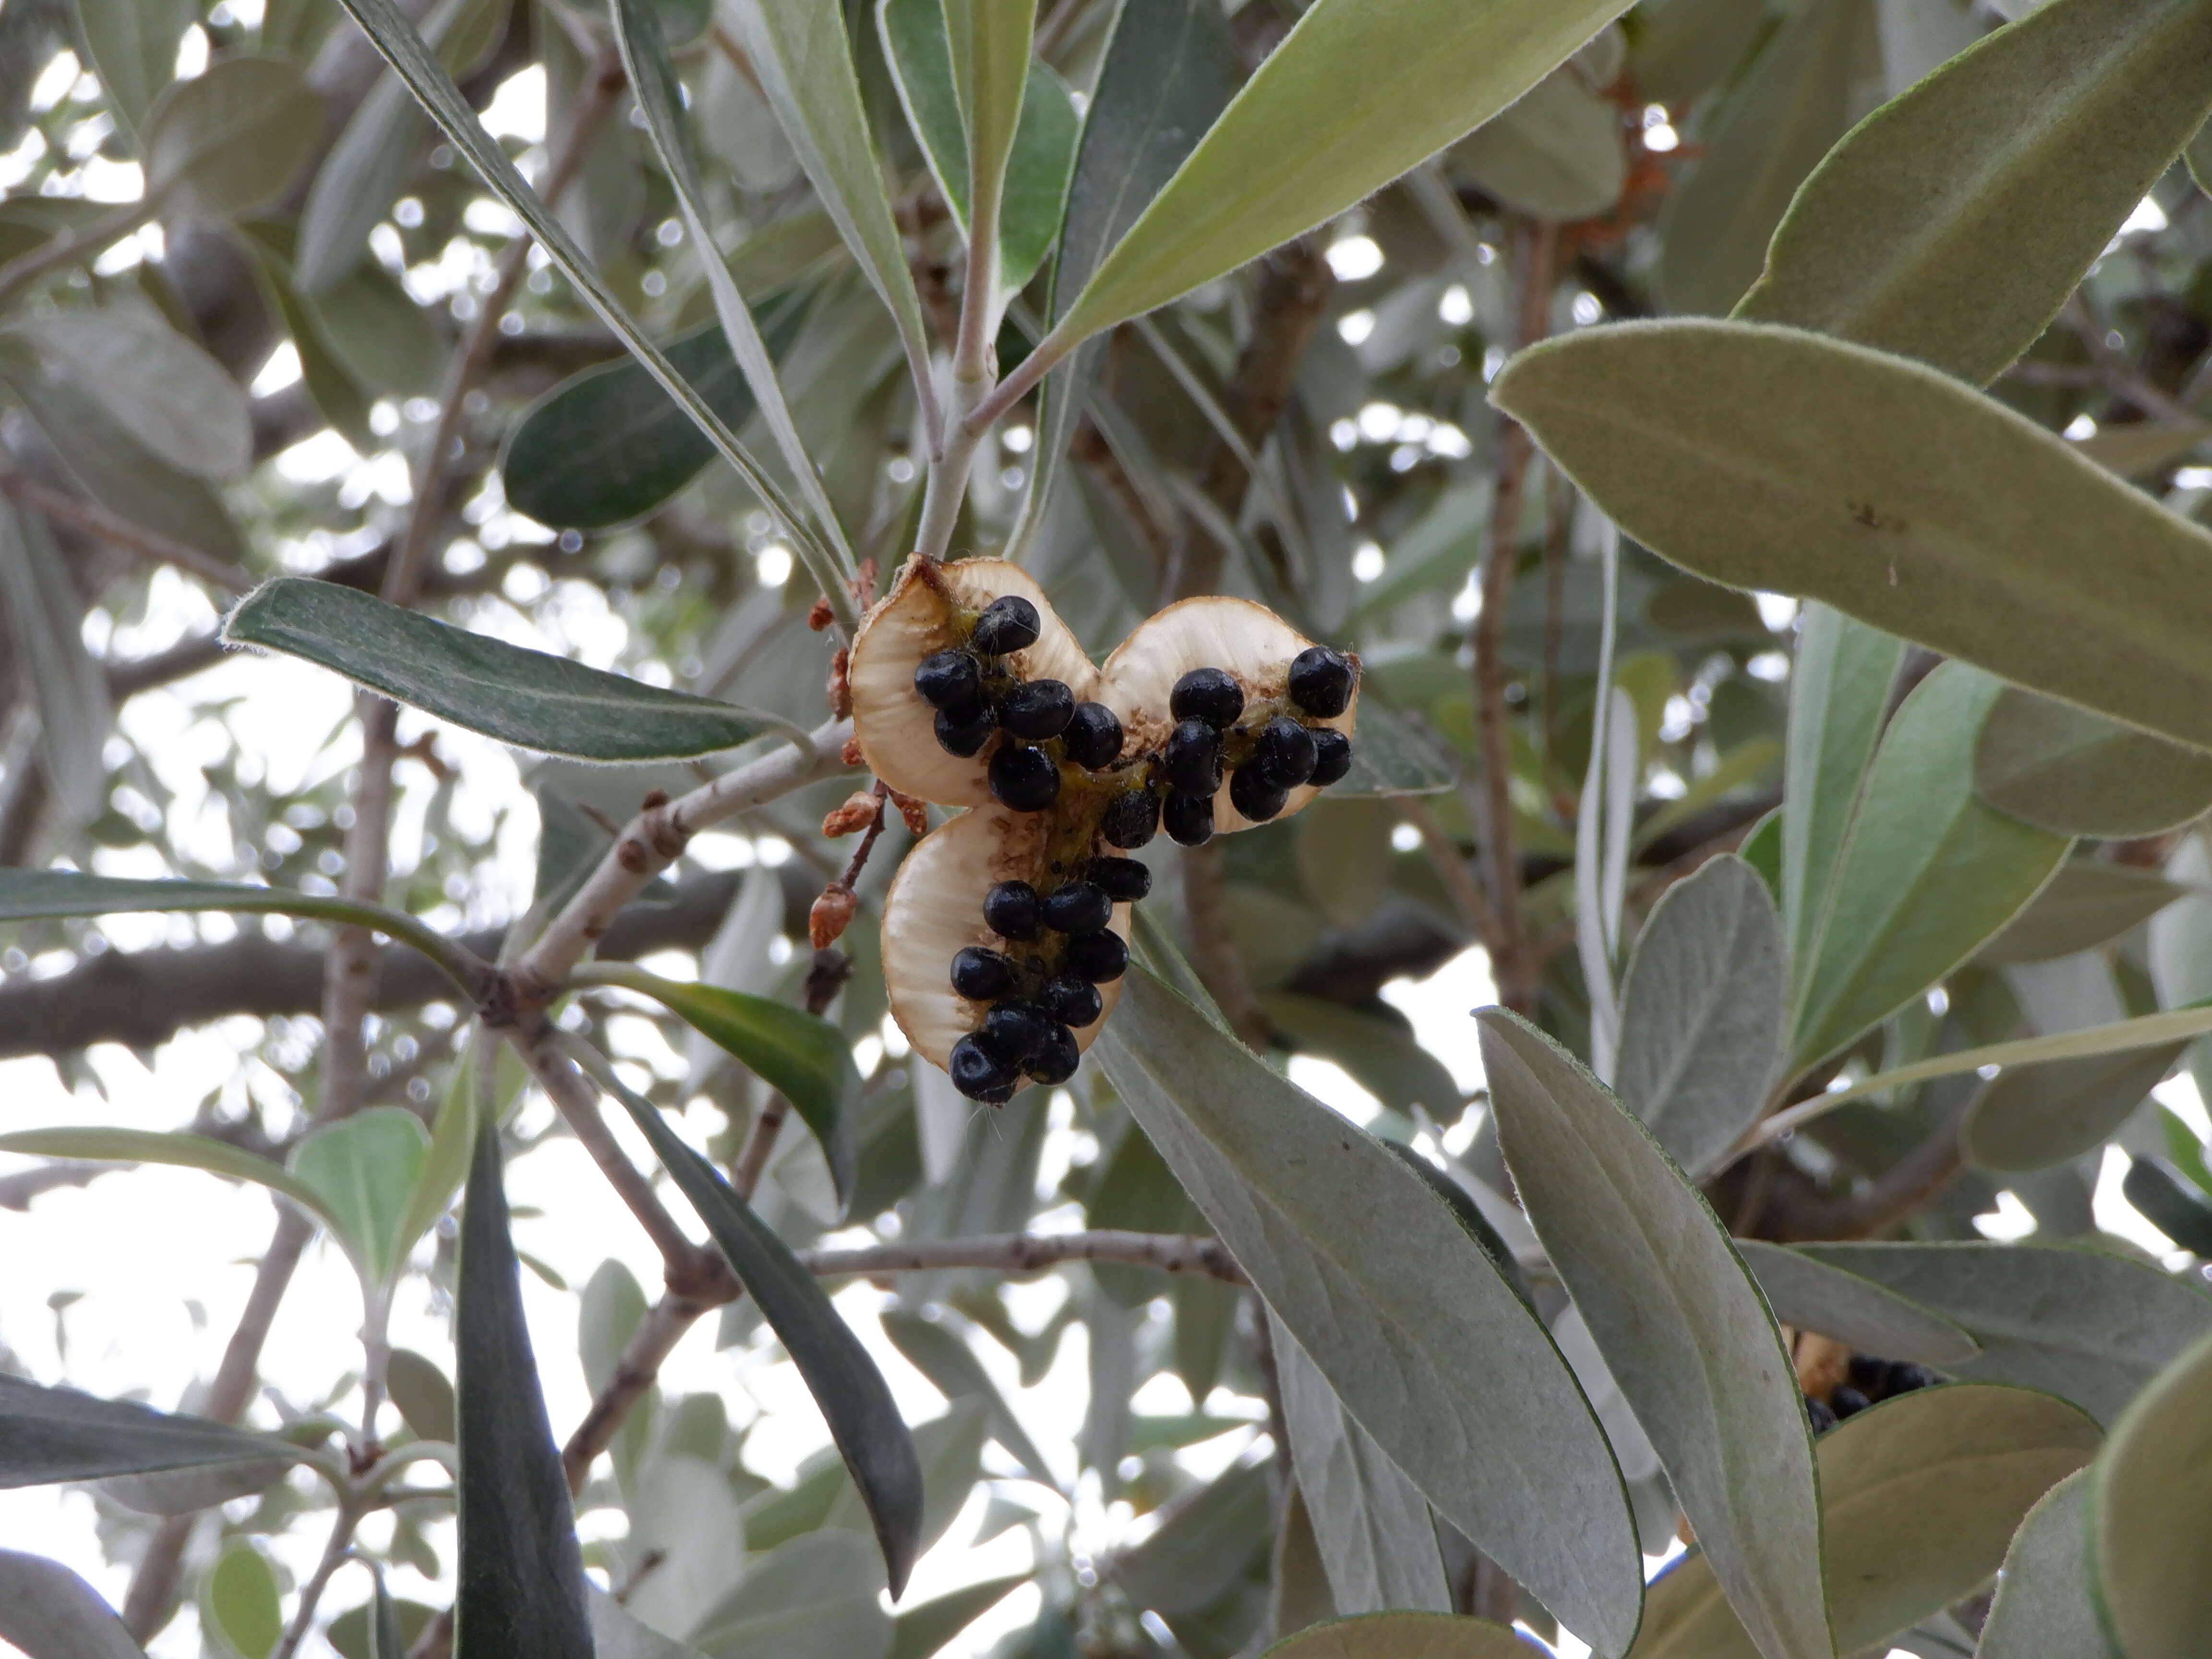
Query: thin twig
x=1031, y=1252
x=311, y=1593
x=1446, y=860
x=88, y=242
x=121, y=533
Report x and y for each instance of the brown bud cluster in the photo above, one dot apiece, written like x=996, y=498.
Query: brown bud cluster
x=857, y=811
x=831, y=915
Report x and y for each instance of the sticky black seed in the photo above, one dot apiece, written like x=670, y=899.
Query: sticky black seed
x=1037, y=709
x=1845, y=1399
x=1070, y=999
x=1081, y=906
x=1252, y=793
x=1332, y=756
x=1188, y=820
x=1125, y=880
x=1191, y=759
x=979, y=1073
x=1818, y=1414
x=1096, y=957
x=1009, y=622
x=1093, y=736
x=963, y=738
x=1904, y=1376
x=1018, y=1029
x=1285, y=753
x=1321, y=681
x=1056, y=1059
x=1010, y=910
x=1211, y=694
x=979, y=974
x=1132, y=818
x=950, y=680
x=1023, y=779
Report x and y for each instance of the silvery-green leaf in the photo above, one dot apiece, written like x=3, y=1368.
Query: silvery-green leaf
x=1389, y=757
x=365, y=1167
x=2064, y=770
x=240, y=1607
x=2176, y=1207
x=45, y=625
x=920, y=1630
x=227, y=142
x=940, y=1354
x=2150, y=1508
x=1556, y=153
x=2046, y=1606
x=420, y=1392
x=157, y=385
x=2085, y=905
x=132, y=45
x=49, y=1435
x=184, y=1492
x=49, y=1612
x=1839, y=696
x=1403, y=1636
x=814, y=1597
x=2033, y=1117
x=1200, y=1550
x=1815, y=1296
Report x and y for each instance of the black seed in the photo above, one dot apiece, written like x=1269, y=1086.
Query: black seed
x=1843, y=1400
x=1056, y=1059
x=1189, y=819
x=1011, y=911
x=1332, y=756
x=950, y=679
x=1211, y=694
x=1096, y=957
x=1024, y=779
x=980, y=1074
x=1008, y=623
x=1817, y=1414
x=982, y=976
x=1252, y=793
x=1037, y=709
x=1321, y=681
x=964, y=738
x=1904, y=1376
x=1093, y=736
x=1133, y=818
x=1072, y=1000
x=1081, y=906
x=1191, y=759
x=1018, y=1029
x=1125, y=880
x=1285, y=753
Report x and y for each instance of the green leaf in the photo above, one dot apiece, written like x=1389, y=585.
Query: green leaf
x=940, y=1354
x=816, y=1597
x=422, y=1393
x=1953, y=222
x=50, y=1612
x=132, y=48
x=164, y=391
x=2035, y=1116
x=2064, y=770
x=531, y=699
x=1382, y=1055
x=1814, y=1295
x=1389, y=757
x=2086, y=1325
x=387, y=1638
x=1421, y=1337
x=45, y=625
x=1556, y=154
x=1761, y=849
x=186, y=1491
x=1702, y=1011
x=1927, y=874
x=951, y=1450
x=2084, y=906
x=1762, y=457
x=521, y=1591
x=227, y=142
x=618, y=1633
x=444, y=1163
x=1403, y=1636
x=2150, y=1510
x=988, y=42
x=1681, y=1323
x=1353, y=96
x=1197, y=1554
x=365, y=1167
x=921, y=1630
x=1138, y=1191
x=50, y=1435
x=240, y=1606
x=854, y=1400
x=2044, y=1607
x=1919, y=1496
x=802, y=1054
x=2176, y=1207
x=180, y=1150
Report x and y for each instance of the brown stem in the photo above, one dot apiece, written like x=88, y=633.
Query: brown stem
x=121, y=533
x=1445, y=858
x=1213, y=946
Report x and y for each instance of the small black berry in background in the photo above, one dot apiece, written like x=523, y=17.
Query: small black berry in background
x=1845, y=1399
x=950, y=680
x=1321, y=681
x=1081, y=907
x=1072, y=1000
x=1191, y=758
x=1010, y=910
x=1286, y=753
x=1211, y=694
x=981, y=1074
x=1009, y=622
x=1253, y=794
x=1904, y=1376
x=1332, y=756
x=1023, y=779
x=1132, y=818
x=1189, y=819
x=979, y=974
x=1018, y=1029
x=1817, y=1414
x=1056, y=1058
x=1125, y=880
x=1096, y=957
x=963, y=737
x=1093, y=736
x=1037, y=709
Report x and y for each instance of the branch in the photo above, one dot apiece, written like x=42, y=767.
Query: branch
x=1031, y=1252
x=121, y=533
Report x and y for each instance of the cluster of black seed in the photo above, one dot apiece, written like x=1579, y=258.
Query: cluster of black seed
x=1870, y=1382
x=975, y=695
x=1038, y=998
x=1276, y=757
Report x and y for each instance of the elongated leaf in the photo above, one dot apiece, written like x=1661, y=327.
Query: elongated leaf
x=45, y=626
x=522, y=1593
x=1927, y=874
x=386, y=1636
x=939, y=1354
x=1198, y=1553
x=2086, y=905
x=1418, y=1332
x=184, y=1492
x=2176, y=1207
x=1556, y=154
x=132, y=45
x=227, y=142
x=1920, y=1497
x=951, y=1451
x=445, y=1165
x=50, y=1612
x=1953, y=222
x=988, y=44
x=1762, y=457
x=920, y=1630
x=365, y=1167
x=2044, y=1607
x=48, y=1435
x=2150, y=1508
x=2035, y=1116
x=1403, y=1636
x=2064, y=770
x=1354, y=96
x=241, y=1607
x=878, y=1452
x=1681, y=1323
x=422, y=1393
x=157, y=385
x=816, y=1597
x=800, y=1053
x=2088, y=1327
x=531, y=699
x=1701, y=1010
x=363, y=173
x=1815, y=1296
x=1390, y=757
x=180, y=1150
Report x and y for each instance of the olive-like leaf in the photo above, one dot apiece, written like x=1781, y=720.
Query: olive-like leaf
x=366, y=1167
x=48, y=1435
x=422, y=1393
x=939, y=1354
x=2175, y=1206
x=240, y=1606
x=2034, y=1116
x=2084, y=906
x=227, y=141
x=166, y=393
x=1814, y=1295
x=1403, y=1636
x=920, y=1630
x=1389, y=757
x=2064, y=770
x=132, y=47
x=2044, y=1607
x=178, y=1151
x=49, y=1612
x=988, y=42
x=2150, y=1510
